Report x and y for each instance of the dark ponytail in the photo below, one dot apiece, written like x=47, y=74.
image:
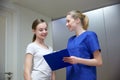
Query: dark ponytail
x=34, y=37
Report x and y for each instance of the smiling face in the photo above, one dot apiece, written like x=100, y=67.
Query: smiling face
x=41, y=31
x=71, y=23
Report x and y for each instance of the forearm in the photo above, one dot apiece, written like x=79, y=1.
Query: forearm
x=27, y=67
x=96, y=61
x=53, y=76
x=27, y=75
x=90, y=62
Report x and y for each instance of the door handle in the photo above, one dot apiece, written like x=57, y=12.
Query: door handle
x=9, y=75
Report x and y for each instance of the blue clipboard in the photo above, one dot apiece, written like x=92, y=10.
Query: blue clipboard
x=55, y=59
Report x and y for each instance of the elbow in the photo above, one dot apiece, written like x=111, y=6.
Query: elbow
x=100, y=64
x=26, y=75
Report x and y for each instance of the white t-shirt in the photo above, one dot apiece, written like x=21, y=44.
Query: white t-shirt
x=40, y=68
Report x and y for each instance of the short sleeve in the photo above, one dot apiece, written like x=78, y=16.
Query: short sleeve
x=93, y=43
x=30, y=49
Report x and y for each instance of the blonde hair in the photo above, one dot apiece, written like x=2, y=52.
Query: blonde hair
x=77, y=14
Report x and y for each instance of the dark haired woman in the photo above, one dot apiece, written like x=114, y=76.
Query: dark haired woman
x=35, y=66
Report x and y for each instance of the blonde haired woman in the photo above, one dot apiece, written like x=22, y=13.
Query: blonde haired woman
x=84, y=46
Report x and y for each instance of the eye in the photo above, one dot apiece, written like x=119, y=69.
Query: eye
x=40, y=29
x=46, y=29
x=67, y=21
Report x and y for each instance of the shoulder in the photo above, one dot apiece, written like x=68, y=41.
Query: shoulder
x=31, y=46
x=92, y=37
x=91, y=34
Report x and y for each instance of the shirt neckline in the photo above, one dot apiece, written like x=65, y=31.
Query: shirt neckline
x=80, y=34
x=42, y=47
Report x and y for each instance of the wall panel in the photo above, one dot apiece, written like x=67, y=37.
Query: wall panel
x=112, y=26
x=96, y=24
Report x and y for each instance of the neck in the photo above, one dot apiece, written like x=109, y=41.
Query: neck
x=79, y=31
x=39, y=41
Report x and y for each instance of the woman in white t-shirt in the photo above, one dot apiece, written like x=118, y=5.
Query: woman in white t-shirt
x=35, y=67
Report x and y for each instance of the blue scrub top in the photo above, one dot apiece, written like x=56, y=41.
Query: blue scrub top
x=82, y=46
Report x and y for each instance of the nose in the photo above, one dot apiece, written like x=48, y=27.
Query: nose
x=66, y=24
x=44, y=31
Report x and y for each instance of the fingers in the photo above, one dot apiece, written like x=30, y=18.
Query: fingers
x=71, y=59
x=66, y=59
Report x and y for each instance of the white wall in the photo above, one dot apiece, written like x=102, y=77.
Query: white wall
x=25, y=33
x=19, y=34
x=2, y=46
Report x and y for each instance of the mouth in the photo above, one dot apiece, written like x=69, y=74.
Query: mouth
x=69, y=27
x=44, y=35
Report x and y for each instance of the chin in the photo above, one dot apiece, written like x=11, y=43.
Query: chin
x=70, y=30
x=43, y=37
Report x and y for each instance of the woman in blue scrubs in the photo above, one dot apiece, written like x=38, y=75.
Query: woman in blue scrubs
x=84, y=48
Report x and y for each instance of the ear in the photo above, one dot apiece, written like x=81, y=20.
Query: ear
x=33, y=31
x=78, y=20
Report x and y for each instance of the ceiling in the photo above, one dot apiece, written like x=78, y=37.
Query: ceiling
x=58, y=8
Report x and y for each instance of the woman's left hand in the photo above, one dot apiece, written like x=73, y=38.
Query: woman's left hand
x=71, y=59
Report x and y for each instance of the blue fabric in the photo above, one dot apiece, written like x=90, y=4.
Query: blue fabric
x=82, y=46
